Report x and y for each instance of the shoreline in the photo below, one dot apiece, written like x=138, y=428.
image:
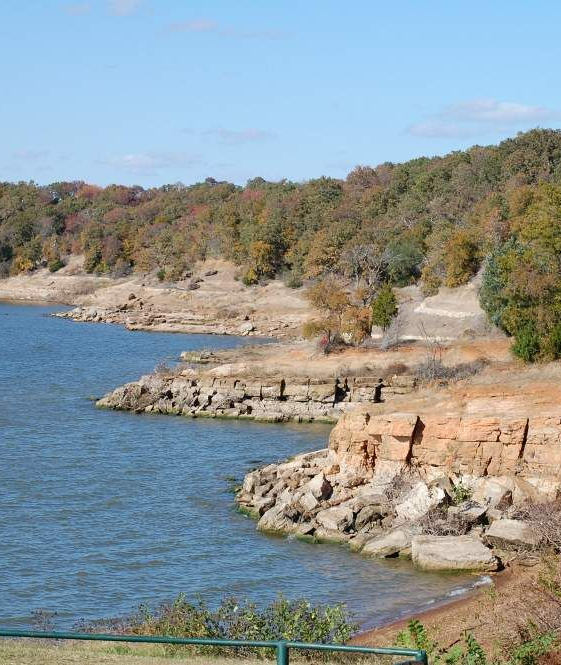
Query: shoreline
x=440, y=609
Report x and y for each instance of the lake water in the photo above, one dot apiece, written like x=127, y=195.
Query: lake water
x=103, y=510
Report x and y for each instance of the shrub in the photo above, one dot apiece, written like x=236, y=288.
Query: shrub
x=396, y=369
x=434, y=370
x=283, y=619
x=460, y=493
x=384, y=307
x=545, y=520
x=526, y=343
x=250, y=277
x=55, y=264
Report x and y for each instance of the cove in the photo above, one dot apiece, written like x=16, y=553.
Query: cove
x=103, y=510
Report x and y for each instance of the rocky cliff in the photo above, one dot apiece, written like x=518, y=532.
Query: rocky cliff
x=440, y=482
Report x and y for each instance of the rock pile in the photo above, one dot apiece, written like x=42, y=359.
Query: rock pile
x=447, y=522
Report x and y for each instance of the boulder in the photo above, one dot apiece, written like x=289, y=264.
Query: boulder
x=468, y=512
x=390, y=544
x=368, y=516
x=250, y=482
x=338, y=518
x=276, y=519
x=418, y=501
x=320, y=487
x=307, y=502
x=452, y=553
x=511, y=534
x=492, y=493
x=263, y=504
x=330, y=535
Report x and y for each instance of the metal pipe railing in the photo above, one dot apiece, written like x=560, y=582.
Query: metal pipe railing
x=281, y=647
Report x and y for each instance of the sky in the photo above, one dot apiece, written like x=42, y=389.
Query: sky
x=150, y=92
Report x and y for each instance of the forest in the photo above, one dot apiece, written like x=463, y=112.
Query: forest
x=435, y=221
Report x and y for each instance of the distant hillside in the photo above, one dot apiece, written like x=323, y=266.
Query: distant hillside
x=437, y=220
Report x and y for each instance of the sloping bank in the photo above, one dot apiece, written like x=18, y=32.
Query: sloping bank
x=443, y=486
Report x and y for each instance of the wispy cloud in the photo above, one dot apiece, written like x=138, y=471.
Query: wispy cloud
x=238, y=137
x=209, y=26
x=123, y=7
x=198, y=25
x=30, y=155
x=479, y=116
x=147, y=163
x=77, y=8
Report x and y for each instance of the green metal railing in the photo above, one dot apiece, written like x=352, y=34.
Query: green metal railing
x=281, y=647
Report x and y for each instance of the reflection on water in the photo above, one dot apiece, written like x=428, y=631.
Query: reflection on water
x=102, y=510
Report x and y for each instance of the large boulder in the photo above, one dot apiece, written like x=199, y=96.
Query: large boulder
x=368, y=516
x=390, y=544
x=307, y=502
x=338, y=518
x=492, y=493
x=452, y=553
x=468, y=512
x=418, y=501
x=511, y=534
x=320, y=487
x=276, y=519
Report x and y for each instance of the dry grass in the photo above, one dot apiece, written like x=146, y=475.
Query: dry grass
x=34, y=652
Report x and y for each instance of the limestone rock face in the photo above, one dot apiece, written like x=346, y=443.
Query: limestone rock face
x=452, y=553
x=511, y=534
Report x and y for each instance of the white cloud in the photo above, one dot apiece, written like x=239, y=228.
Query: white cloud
x=476, y=117
x=493, y=111
x=150, y=162
x=208, y=26
x=123, y=7
x=238, y=137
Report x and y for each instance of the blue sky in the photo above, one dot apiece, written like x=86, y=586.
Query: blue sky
x=154, y=91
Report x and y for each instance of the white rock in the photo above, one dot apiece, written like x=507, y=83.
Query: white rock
x=337, y=518
x=389, y=544
x=491, y=492
x=452, y=553
x=307, y=502
x=418, y=501
x=511, y=534
x=320, y=487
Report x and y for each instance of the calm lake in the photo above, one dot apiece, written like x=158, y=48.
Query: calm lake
x=101, y=510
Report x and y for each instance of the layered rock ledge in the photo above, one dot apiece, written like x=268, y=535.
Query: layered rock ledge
x=301, y=399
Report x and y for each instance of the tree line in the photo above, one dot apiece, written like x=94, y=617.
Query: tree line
x=432, y=220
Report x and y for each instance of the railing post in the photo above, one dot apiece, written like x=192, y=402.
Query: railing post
x=424, y=658
x=282, y=653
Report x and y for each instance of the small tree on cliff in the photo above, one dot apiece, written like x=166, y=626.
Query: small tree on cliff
x=384, y=307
